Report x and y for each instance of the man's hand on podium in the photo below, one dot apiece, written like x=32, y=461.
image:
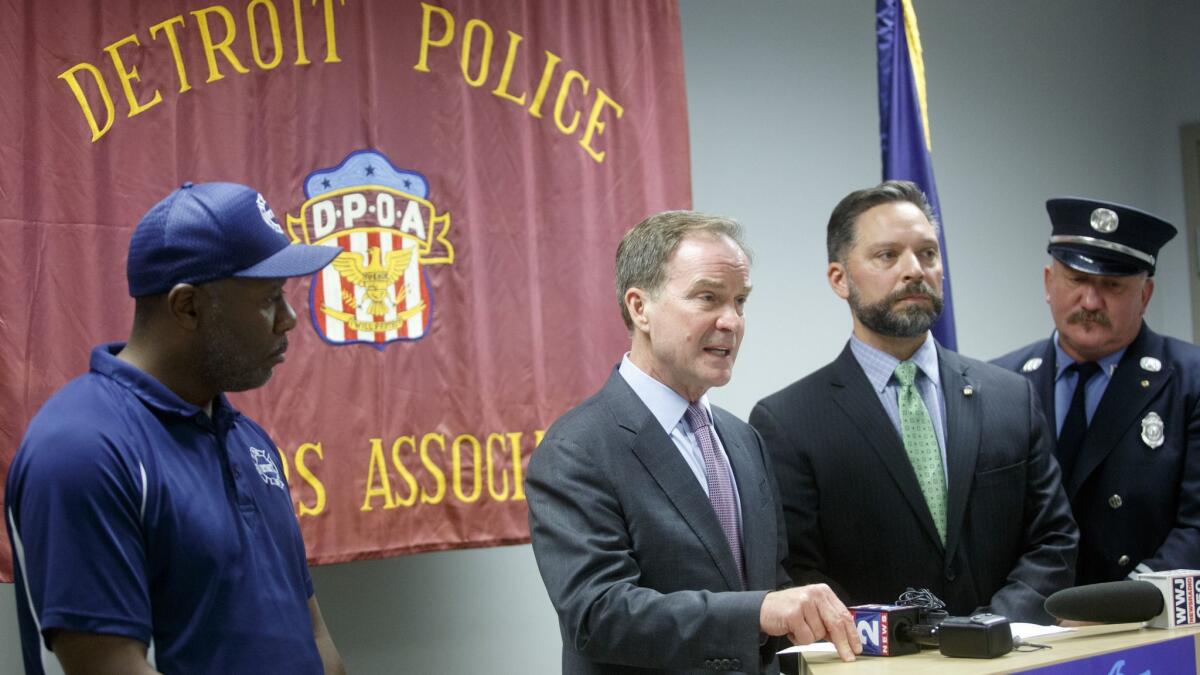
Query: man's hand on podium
x=810, y=613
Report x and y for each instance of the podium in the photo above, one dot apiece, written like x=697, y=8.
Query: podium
x=1119, y=649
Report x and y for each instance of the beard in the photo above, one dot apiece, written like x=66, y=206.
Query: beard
x=911, y=321
x=225, y=363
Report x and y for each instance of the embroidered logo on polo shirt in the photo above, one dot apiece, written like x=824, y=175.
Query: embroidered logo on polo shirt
x=267, y=469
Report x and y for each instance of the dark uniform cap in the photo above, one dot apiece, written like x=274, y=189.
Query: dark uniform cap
x=1104, y=238
x=203, y=232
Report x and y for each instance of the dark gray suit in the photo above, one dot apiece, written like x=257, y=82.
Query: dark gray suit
x=857, y=520
x=632, y=554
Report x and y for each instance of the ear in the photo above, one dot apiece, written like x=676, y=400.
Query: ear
x=1046, y=274
x=1147, y=293
x=637, y=302
x=183, y=302
x=837, y=276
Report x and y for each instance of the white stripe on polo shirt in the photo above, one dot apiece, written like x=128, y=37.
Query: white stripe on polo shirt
x=50, y=664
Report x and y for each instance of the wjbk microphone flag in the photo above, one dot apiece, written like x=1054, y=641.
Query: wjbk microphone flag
x=904, y=124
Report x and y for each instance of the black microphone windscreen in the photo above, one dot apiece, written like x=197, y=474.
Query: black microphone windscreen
x=1110, y=602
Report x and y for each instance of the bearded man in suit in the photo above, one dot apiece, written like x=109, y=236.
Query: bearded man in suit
x=653, y=513
x=903, y=464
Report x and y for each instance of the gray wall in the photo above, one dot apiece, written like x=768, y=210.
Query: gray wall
x=1028, y=99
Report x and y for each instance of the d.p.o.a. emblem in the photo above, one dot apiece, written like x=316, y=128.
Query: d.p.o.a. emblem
x=1152, y=430
x=377, y=291
x=1031, y=365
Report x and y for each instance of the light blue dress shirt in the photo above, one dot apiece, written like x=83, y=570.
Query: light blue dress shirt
x=1064, y=383
x=879, y=367
x=668, y=408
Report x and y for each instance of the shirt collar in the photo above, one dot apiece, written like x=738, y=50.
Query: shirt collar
x=1062, y=360
x=878, y=365
x=664, y=403
x=153, y=393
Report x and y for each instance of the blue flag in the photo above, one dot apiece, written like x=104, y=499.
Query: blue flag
x=904, y=125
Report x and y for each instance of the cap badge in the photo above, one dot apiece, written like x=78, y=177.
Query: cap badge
x=1152, y=430
x=1104, y=220
x=268, y=215
x=1031, y=365
x=1151, y=364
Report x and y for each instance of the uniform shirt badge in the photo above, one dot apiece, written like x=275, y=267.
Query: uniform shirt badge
x=1152, y=430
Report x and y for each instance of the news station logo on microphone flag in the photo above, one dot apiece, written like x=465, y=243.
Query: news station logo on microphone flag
x=1181, y=594
x=877, y=627
x=904, y=125
x=1183, y=600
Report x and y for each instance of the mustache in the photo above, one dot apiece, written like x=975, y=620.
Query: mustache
x=915, y=288
x=1089, y=316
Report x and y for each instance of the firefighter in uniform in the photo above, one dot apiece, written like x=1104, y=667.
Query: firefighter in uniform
x=1125, y=399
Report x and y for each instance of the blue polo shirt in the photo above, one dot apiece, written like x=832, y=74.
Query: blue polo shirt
x=131, y=512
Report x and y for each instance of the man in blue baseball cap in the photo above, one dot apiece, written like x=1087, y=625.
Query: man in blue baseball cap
x=151, y=526
x=1125, y=399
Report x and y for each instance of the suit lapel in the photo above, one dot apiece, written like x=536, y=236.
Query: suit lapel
x=1123, y=402
x=963, y=428
x=662, y=460
x=853, y=393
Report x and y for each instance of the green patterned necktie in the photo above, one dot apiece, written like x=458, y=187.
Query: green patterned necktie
x=921, y=444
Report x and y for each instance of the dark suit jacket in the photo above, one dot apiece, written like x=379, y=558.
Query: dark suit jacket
x=857, y=520
x=631, y=552
x=1155, y=516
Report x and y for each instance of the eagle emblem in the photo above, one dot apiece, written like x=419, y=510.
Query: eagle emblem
x=376, y=278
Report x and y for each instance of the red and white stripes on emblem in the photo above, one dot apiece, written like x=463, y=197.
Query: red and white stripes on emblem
x=339, y=294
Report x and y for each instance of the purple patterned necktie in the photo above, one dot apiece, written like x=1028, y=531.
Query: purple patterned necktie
x=720, y=482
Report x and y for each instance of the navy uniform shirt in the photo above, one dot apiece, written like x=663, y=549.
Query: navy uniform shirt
x=131, y=512
x=1135, y=487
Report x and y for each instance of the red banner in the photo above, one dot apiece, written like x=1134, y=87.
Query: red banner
x=477, y=161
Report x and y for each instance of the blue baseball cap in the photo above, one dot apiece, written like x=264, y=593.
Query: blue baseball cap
x=208, y=231
x=1105, y=238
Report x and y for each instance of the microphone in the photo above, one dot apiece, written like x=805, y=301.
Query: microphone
x=1108, y=602
x=896, y=630
x=1164, y=599
x=878, y=627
